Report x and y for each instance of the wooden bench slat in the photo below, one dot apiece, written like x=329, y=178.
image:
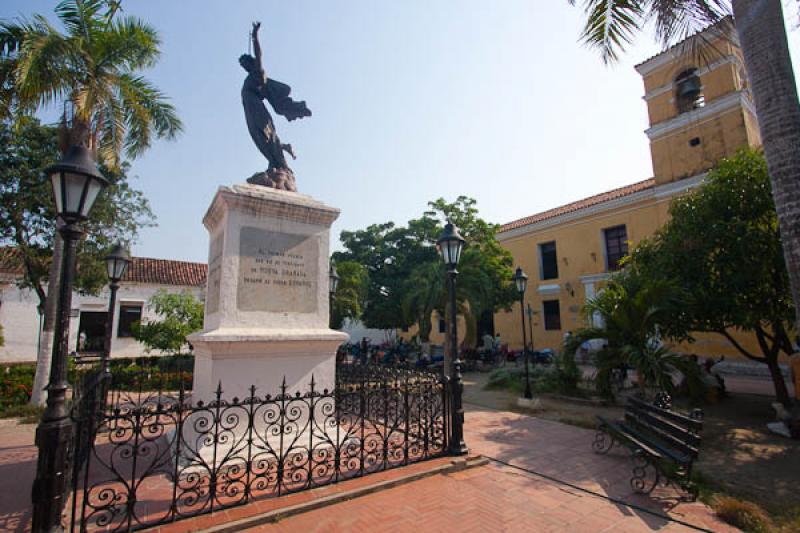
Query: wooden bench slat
x=624, y=431
x=685, y=440
x=669, y=445
x=691, y=423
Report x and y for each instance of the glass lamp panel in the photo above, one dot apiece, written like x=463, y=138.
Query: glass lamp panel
x=456, y=246
x=111, y=267
x=94, y=189
x=73, y=189
x=453, y=247
x=55, y=179
x=445, y=249
x=120, y=266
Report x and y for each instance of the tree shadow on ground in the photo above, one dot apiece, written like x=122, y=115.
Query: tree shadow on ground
x=563, y=453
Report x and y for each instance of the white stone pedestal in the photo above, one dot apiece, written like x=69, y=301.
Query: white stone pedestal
x=267, y=309
x=267, y=303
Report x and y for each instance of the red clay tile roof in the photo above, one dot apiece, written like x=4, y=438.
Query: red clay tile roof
x=141, y=269
x=581, y=204
x=10, y=261
x=166, y=272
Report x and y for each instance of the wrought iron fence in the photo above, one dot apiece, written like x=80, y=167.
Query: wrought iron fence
x=156, y=457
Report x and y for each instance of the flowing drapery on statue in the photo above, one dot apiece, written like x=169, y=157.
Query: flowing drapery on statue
x=256, y=88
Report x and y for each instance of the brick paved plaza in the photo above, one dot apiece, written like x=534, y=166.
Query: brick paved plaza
x=494, y=497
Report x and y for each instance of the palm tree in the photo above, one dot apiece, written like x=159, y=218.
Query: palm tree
x=92, y=69
x=612, y=24
x=631, y=312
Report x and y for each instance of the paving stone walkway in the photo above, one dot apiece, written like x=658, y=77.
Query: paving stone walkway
x=496, y=497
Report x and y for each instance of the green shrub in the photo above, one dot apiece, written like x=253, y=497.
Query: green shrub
x=562, y=377
x=747, y=516
x=565, y=375
x=16, y=384
x=152, y=373
x=506, y=379
x=28, y=414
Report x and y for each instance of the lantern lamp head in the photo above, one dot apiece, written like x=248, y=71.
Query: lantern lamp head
x=450, y=245
x=117, y=262
x=76, y=184
x=520, y=280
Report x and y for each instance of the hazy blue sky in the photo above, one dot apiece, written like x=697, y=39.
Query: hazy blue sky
x=412, y=101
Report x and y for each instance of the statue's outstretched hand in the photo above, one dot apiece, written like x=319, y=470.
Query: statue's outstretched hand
x=256, y=27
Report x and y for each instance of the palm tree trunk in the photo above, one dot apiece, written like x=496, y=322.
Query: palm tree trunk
x=67, y=137
x=45, y=352
x=766, y=53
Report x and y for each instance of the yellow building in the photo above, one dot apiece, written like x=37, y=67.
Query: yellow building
x=700, y=110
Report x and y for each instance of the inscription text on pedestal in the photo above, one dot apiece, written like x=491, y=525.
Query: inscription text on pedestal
x=277, y=271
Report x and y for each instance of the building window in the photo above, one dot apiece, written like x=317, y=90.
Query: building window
x=128, y=314
x=552, y=314
x=442, y=326
x=548, y=260
x=689, y=91
x=616, y=246
x=91, y=331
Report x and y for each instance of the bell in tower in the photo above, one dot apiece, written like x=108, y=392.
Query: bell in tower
x=689, y=92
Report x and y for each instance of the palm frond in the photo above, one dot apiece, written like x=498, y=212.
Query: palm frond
x=611, y=25
x=43, y=74
x=147, y=112
x=128, y=44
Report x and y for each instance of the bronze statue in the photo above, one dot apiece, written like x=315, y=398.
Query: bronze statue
x=255, y=89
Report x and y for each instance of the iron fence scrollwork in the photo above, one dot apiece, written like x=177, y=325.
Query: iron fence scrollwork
x=156, y=457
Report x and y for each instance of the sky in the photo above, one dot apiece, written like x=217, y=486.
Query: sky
x=411, y=101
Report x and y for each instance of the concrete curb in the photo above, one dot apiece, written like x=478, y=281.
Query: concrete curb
x=457, y=464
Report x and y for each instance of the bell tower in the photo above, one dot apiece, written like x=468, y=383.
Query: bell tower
x=699, y=104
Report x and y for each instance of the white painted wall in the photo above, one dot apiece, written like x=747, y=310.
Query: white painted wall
x=358, y=331
x=20, y=319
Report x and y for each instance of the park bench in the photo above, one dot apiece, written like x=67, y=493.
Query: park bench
x=658, y=437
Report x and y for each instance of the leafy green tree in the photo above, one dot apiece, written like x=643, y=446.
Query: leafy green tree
x=634, y=311
x=180, y=315
x=351, y=293
x=27, y=220
x=406, y=276
x=389, y=254
x=92, y=69
x=722, y=246
x=613, y=24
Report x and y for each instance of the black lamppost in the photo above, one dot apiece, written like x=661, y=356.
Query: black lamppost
x=117, y=262
x=531, y=312
x=333, y=277
x=521, y=281
x=450, y=244
x=76, y=185
x=334, y=280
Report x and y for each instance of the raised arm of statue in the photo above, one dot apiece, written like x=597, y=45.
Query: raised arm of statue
x=257, y=50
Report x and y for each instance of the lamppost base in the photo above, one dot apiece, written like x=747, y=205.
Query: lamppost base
x=528, y=403
x=459, y=448
x=53, y=439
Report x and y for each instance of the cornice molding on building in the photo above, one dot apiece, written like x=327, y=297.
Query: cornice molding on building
x=575, y=215
x=658, y=193
x=595, y=278
x=720, y=105
x=547, y=289
x=678, y=187
x=671, y=86
x=679, y=50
